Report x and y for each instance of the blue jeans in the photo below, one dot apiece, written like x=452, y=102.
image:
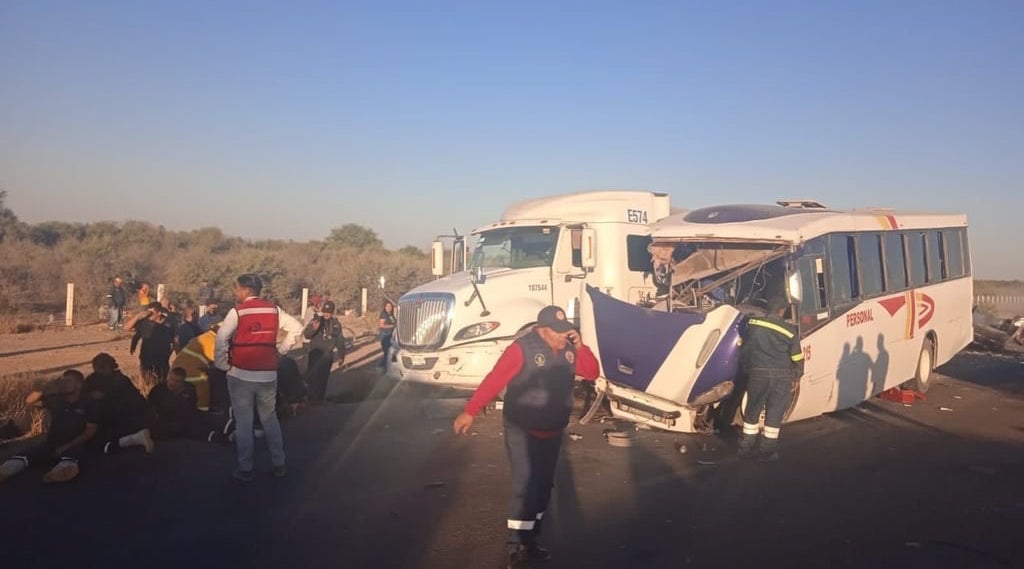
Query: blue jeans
x=247, y=397
x=116, y=316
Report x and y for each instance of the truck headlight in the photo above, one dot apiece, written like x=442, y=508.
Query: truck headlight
x=478, y=329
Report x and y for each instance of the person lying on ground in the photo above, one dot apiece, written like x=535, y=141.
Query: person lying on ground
x=70, y=428
x=178, y=415
x=122, y=414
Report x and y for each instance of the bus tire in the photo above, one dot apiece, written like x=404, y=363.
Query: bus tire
x=925, y=368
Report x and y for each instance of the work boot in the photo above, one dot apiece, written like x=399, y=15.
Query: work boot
x=64, y=471
x=519, y=558
x=138, y=439
x=769, y=450
x=535, y=552
x=12, y=466
x=747, y=444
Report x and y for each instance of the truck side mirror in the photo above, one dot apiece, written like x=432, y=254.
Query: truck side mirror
x=588, y=255
x=437, y=259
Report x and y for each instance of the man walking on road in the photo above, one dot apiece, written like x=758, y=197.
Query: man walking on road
x=248, y=350
x=773, y=361
x=539, y=372
x=118, y=299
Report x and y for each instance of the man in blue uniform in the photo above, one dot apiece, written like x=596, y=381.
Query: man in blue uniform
x=773, y=361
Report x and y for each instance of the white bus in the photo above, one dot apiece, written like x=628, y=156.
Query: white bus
x=880, y=298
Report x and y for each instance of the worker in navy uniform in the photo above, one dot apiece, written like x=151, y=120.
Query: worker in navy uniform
x=773, y=361
x=538, y=372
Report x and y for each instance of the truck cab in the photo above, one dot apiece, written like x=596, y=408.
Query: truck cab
x=543, y=251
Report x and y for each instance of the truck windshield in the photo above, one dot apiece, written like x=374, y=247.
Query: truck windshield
x=515, y=248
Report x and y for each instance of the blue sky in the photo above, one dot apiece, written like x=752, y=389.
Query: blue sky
x=274, y=120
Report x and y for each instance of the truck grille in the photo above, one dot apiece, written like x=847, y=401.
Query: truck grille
x=423, y=319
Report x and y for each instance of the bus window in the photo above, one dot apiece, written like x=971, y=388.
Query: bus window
x=936, y=260
x=954, y=252
x=872, y=280
x=965, y=242
x=814, y=304
x=918, y=268
x=895, y=265
x=843, y=265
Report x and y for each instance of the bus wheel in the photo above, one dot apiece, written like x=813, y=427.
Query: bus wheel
x=925, y=365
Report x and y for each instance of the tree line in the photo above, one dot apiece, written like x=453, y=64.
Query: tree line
x=38, y=259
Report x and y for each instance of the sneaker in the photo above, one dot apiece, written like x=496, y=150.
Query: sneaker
x=279, y=471
x=64, y=471
x=243, y=475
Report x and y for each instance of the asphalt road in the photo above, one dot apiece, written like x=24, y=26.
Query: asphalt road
x=384, y=483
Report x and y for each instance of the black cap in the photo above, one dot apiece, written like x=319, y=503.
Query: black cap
x=777, y=303
x=553, y=317
x=328, y=306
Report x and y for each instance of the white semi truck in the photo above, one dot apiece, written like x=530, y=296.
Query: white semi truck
x=542, y=251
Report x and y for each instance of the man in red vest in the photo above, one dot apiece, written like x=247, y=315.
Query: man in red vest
x=248, y=350
x=538, y=372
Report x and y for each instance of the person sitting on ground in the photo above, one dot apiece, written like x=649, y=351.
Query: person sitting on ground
x=178, y=416
x=70, y=428
x=121, y=412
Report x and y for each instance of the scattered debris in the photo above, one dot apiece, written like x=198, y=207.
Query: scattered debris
x=900, y=395
x=706, y=462
x=944, y=409
x=619, y=438
x=438, y=431
x=575, y=436
x=957, y=397
x=682, y=449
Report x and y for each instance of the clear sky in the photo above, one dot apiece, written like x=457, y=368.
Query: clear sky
x=287, y=119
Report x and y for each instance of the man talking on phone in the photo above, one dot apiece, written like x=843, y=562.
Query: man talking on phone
x=538, y=372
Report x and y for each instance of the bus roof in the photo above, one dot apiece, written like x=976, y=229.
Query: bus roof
x=779, y=224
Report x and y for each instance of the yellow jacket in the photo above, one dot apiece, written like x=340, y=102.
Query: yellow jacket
x=195, y=359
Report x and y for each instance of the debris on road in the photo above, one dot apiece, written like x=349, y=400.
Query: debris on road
x=706, y=462
x=619, y=438
x=575, y=436
x=682, y=449
x=944, y=409
x=900, y=395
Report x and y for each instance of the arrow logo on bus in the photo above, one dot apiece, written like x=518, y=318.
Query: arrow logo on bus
x=922, y=308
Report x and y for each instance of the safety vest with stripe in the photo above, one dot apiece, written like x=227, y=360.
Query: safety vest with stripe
x=771, y=346
x=254, y=344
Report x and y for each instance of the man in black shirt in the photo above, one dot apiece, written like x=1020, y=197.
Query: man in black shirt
x=326, y=345
x=158, y=338
x=70, y=428
x=179, y=416
x=121, y=413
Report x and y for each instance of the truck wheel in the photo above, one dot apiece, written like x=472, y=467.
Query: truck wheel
x=925, y=366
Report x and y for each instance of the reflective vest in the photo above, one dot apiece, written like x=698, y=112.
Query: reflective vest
x=539, y=397
x=254, y=345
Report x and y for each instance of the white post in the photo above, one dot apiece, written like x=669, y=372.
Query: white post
x=69, y=313
x=160, y=293
x=364, y=303
x=305, y=303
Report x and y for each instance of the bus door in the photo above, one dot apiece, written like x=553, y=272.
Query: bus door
x=818, y=338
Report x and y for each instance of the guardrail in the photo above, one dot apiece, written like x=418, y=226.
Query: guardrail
x=1008, y=305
